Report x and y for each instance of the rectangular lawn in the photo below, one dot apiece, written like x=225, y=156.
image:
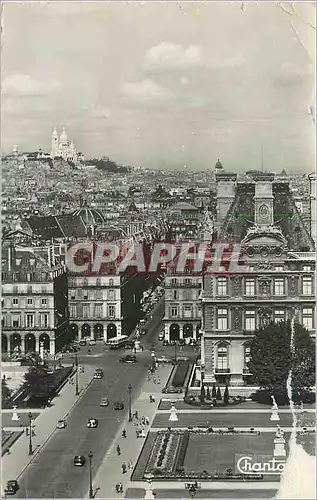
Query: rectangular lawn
x=217, y=453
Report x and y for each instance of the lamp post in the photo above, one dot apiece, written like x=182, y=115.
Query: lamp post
x=76, y=374
x=91, y=492
x=175, y=352
x=30, y=434
x=202, y=377
x=130, y=397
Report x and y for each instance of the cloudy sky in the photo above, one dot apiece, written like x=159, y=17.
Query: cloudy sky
x=162, y=84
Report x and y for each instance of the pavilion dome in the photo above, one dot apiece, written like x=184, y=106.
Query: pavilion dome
x=90, y=216
x=63, y=138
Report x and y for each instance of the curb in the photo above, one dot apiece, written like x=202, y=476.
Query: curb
x=39, y=448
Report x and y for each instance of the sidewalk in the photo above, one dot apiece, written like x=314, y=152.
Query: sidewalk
x=110, y=473
x=14, y=464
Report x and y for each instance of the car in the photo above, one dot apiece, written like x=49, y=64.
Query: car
x=166, y=342
x=61, y=424
x=181, y=342
x=92, y=342
x=92, y=423
x=104, y=402
x=119, y=405
x=98, y=373
x=129, y=345
x=172, y=390
x=164, y=359
x=161, y=336
x=12, y=487
x=83, y=342
x=129, y=358
x=79, y=460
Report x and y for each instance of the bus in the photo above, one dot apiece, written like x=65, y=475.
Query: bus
x=117, y=342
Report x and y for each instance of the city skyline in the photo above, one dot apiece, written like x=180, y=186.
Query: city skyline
x=183, y=84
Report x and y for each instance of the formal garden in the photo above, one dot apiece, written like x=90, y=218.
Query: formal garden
x=204, y=454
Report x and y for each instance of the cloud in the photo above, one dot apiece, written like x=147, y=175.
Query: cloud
x=169, y=56
x=25, y=85
x=98, y=112
x=145, y=90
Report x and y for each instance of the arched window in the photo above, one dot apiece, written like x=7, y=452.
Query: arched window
x=222, y=356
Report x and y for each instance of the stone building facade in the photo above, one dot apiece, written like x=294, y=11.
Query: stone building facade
x=279, y=253
x=34, y=304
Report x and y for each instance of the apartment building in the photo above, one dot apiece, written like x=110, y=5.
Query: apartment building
x=34, y=303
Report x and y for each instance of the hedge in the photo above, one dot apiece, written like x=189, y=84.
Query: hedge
x=180, y=375
x=182, y=451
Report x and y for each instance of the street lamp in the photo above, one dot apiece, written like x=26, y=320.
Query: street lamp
x=130, y=394
x=91, y=492
x=30, y=433
x=175, y=351
x=202, y=378
x=76, y=374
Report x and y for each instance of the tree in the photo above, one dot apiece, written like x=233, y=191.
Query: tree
x=218, y=396
x=272, y=360
x=214, y=391
x=226, y=395
x=208, y=393
x=6, y=392
x=37, y=379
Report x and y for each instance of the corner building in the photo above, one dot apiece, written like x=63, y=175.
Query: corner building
x=280, y=254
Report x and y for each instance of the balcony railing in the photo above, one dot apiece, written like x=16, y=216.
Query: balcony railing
x=222, y=370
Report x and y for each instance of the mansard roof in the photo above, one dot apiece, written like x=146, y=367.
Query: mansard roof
x=287, y=218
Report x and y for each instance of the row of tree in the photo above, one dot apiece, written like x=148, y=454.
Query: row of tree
x=215, y=393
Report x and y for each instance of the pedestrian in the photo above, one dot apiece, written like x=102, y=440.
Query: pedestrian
x=136, y=415
x=120, y=488
x=154, y=380
x=147, y=421
x=130, y=464
x=124, y=433
x=89, y=351
x=143, y=421
x=158, y=380
x=118, y=450
x=124, y=468
x=27, y=431
x=149, y=374
x=137, y=433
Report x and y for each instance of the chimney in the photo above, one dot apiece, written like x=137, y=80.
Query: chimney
x=226, y=183
x=312, y=195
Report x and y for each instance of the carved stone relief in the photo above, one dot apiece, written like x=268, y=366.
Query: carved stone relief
x=236, y=286
x=236, y=319
x=293, y=285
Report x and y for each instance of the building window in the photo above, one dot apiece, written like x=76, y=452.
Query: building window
x=98, y=282
x=29, y=320
x=85, y=282
x=222, y=357
x=30, y=290
x=247, y=356
x=279, y=315
x=15, y=302
x=111, y=311
x=44, y=302
x=306, y=268
x=15, y=289
x=250, y=287
x=98, y=294
x=187, y=281
x=222, y=319
x=188, y=311
x=111, y=295
x=44, y=320
x=30, y=301
x=278, y=268
x=250, y=325
x=85, y=296
x=175, y=294
x=174, y=312
x=16, y=321
x=308, y=318
x=111, y=282
x=187, y=294
x=174, y=281
x=72, y=294
x=222, y=288
x=73, y=311
x=307, y=288
x=279, y=286
x=43, y=289
x=98, y=311
x=86, y=311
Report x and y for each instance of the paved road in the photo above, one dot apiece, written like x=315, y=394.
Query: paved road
x=52, y=474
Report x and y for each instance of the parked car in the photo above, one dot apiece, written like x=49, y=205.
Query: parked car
x=83, y=342
x=98, y=373
x=61, y=424
x=12, y=487
x=166, y=342
x=119, y=405
x=129, y=345
x=92, y=342
x=79, y=460
x=92, y=423
x=164, y=359
x=181, y=342
x=129, y=358
x=104, y=402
